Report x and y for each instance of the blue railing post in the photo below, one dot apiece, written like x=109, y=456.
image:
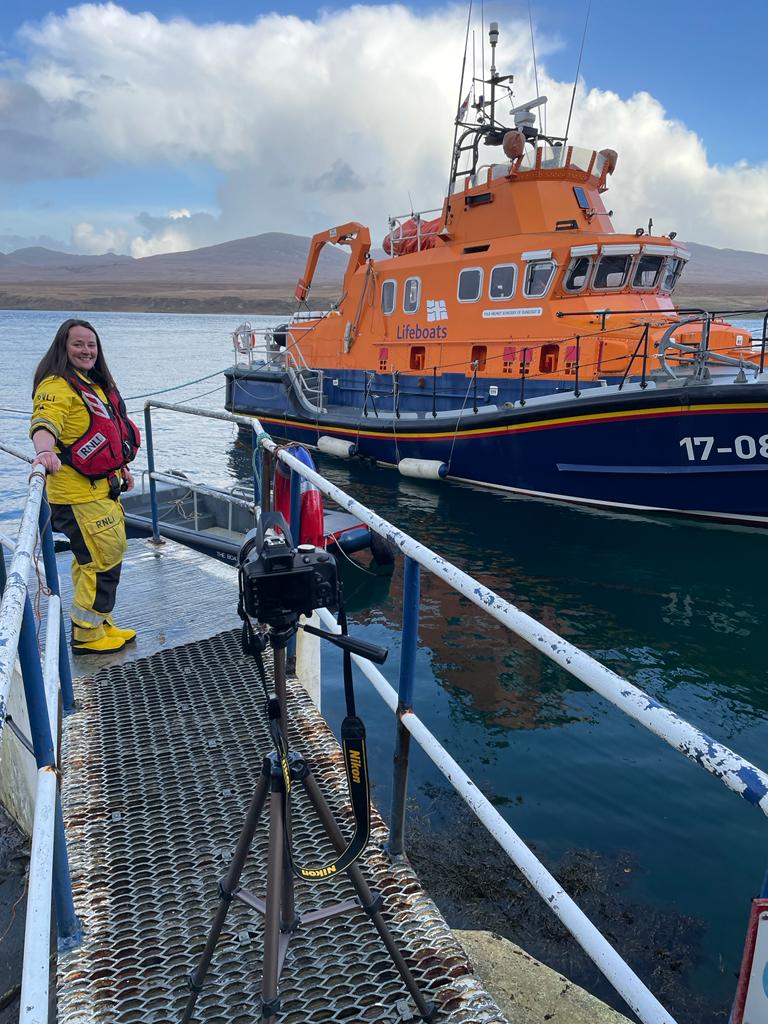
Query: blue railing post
x=295, y=516
x=411, y=597
x=52, y=579
x=42, y=741
x=295, y=525
x=151, y=467
x=70, y=932
x=256, y=466
x=3, y=571
x=34, y=689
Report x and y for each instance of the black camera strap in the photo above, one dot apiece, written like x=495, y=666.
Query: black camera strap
x=352, y=744
x=356, y=763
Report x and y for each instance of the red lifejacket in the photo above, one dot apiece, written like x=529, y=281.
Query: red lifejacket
x=111, y=440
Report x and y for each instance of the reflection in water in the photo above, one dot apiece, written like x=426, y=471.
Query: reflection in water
x=674, y=606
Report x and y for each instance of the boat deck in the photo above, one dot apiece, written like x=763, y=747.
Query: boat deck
x=160, y=763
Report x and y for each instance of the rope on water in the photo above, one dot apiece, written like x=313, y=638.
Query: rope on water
x=456, y=429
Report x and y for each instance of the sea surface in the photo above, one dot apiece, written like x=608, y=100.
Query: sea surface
x=676, y=607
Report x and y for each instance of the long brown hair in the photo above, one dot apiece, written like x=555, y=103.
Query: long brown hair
x=55, y=363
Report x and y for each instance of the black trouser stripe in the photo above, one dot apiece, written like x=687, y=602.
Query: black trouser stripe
x=63, y=520
x=106, y=589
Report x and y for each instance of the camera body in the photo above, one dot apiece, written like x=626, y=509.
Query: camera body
x=280, y=582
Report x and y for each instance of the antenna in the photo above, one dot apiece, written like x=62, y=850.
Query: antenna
x=482, y=33
x=578, y=66
x=454, y=156
x=493, y=36
x=535, y=69
x=474, y=71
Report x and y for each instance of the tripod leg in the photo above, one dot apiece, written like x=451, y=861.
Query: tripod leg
x=270, y=1001
x=371, y=904
x=226, y=888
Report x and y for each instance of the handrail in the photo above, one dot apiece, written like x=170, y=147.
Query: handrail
x=736, y=773
x=620, y=975
x=49, y=872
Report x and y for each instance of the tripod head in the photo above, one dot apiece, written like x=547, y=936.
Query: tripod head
x=278, y=638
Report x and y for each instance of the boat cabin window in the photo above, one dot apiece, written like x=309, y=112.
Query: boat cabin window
x=538, y=277
x=577, y=273
x=470, y=284
x=388, y=297
x=647, y=271
x=411, y=294
x=672, y=273
x=611, y=272
x=503, y=281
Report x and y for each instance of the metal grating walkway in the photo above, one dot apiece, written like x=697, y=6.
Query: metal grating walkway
x=160, y=764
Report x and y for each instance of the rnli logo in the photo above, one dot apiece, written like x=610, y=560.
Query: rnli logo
x=91, y=447
x=436, y=310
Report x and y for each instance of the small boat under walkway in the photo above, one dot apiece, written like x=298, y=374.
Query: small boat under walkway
x=161, y=759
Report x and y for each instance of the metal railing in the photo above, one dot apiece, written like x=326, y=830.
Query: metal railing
x=406, y=227
x=736, y=773
x=42, y=680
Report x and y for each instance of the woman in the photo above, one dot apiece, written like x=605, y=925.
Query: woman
x=84, y=440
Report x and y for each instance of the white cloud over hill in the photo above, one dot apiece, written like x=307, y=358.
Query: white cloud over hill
x=313, y=123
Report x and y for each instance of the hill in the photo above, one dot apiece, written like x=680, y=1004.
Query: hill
x=258, y=275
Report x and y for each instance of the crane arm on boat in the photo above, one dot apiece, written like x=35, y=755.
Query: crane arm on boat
x=355, y=235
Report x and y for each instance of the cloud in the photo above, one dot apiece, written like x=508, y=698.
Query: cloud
x=9, y=242
x=340, y=178
x=87, y=239
x=311, y=123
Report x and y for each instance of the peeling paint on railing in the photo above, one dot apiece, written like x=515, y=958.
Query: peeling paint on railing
x=735, y=772
x=14, y=596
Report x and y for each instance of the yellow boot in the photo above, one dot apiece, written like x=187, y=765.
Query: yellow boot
x=104, y=645
x=113, y=631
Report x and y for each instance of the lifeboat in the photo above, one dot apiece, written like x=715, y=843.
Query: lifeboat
x=512, y=338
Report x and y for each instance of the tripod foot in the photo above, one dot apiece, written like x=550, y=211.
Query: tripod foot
x=430, y=1012
x=193, y=986
x=375, y=904
x=270, y=1008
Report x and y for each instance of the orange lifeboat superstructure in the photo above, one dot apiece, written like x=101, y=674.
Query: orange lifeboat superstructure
x=513, y=338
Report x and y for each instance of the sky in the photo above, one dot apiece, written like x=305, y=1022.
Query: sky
x=164, y=125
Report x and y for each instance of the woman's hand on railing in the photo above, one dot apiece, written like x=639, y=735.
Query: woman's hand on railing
x=48, y=460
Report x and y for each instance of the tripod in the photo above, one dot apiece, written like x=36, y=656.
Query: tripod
x=279, y=770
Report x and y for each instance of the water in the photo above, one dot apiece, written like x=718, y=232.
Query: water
x=676, y=607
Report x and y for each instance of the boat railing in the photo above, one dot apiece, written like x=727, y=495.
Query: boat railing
x=695, y=357
x=260, y=348
x=234, y=498
x=45, y=678
x=733, y=771
x=543, y=157
x=404, y=227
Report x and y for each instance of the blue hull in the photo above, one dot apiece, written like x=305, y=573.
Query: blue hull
x=699, y=450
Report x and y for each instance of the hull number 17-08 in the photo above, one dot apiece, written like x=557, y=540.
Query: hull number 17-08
x=699, y=449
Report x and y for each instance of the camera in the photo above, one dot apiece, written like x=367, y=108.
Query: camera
x=280, y=582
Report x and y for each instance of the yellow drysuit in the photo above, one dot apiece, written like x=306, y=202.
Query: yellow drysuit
x=82, y=510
